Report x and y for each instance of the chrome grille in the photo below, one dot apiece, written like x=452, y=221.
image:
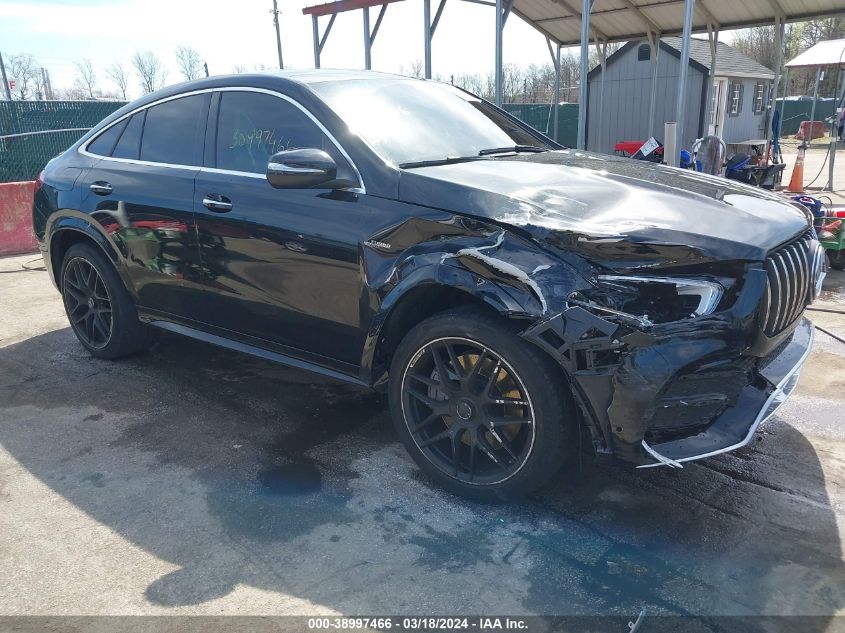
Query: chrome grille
x=795, y=273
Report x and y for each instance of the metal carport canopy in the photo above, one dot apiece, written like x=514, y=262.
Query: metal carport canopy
x=625, y=20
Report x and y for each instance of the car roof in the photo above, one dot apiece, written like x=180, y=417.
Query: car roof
x=268, y=79
x=317, y=75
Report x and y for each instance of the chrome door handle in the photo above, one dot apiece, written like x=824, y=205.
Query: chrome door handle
x=101, y=188
x=217, y=203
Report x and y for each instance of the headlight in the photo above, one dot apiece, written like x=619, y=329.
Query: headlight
x=654, y=299
x=707, y=293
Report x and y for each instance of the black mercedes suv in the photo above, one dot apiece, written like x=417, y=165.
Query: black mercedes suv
x=510, y=294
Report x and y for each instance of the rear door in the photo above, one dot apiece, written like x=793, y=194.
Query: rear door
x=141, y=191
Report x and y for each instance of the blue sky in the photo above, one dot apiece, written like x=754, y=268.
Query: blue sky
x=230, y=33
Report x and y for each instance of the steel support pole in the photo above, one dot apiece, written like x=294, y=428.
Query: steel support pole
x=815, y=98
x=368, y=60
x=654, y=43
x=681, y=105
x=586, y=7
x=603, y=60
x=427, y=37
x=498, y=63
x=775, y=87
x=5, y=79
x=782, y=106
x=278, y=34
x=834, y=142
x=315, y=30
x=713, y=39
x=557, y=94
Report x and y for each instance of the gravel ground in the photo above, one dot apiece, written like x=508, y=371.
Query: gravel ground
x=190, y=480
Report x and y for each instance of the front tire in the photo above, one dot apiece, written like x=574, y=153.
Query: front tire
x=481, y=411
x=98, y=306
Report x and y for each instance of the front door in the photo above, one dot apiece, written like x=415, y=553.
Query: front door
x=282, y=264
x=141, y=191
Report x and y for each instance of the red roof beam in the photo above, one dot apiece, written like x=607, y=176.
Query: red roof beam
x=340, y=6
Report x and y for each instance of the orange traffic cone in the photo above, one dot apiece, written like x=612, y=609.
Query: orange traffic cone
x=796, y=183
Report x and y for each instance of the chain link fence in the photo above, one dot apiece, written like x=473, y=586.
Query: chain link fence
x=33, y=132
x=796, y=111
x=539, y=116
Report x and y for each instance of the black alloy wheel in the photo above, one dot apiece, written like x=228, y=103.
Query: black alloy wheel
x=88, y=303
x=100, y=309
x=483, y=412
x=468, y=411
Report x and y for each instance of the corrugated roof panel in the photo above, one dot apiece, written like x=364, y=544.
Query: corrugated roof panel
x=830, y=53
x=619, y=24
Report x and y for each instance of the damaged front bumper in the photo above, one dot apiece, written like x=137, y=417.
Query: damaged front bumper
x=670, y=393
x=735, y=427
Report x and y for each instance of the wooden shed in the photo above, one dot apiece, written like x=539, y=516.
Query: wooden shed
x=739, y=98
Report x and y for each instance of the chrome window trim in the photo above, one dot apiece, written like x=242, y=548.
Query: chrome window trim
x=82, y=149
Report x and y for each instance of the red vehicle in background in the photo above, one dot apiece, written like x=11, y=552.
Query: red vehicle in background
x=629, y=149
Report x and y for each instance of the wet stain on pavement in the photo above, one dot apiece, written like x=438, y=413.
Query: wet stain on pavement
x=301, y=478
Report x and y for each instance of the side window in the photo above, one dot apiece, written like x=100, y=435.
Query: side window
x=105, y=142
x=174, y=132
x=759, y=97
x=735, y=98
x=129, y=144
x=252, y=126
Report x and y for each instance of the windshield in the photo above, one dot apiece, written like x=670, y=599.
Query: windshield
x=411, y=121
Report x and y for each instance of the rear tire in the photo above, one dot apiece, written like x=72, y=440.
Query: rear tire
x=100, y=310
x=500, y=425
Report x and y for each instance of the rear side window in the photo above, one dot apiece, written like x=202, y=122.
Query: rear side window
x=105, y=142
x=130, y=141
x=174, y=131
x=252, y=126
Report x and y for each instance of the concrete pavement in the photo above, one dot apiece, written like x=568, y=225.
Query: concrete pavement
x=191, y=480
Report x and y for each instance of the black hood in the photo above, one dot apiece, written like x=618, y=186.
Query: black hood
x=616, y=211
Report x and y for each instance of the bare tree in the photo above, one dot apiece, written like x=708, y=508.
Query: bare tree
x=151, y=73
x=415, y=70
x=74, y=93
x=469, y=81
x=189, y=62
x=119, y=75
x=239, y=69
x=86, y=77
x=24, y=69
x=760, y=44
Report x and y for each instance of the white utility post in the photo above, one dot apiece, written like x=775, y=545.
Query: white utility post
x=586, y=7
x=654, y=45
x=602, y=48
x=713, y=39
x=672, y=158
x=555, y=54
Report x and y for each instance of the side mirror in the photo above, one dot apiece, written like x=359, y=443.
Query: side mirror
x=301, y=169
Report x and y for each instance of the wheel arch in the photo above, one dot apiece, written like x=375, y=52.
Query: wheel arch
x=73, y=228
x=425, y=294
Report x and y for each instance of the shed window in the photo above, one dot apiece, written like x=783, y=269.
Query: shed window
x=735, y=98
x=760, y=97
x=644, y=53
